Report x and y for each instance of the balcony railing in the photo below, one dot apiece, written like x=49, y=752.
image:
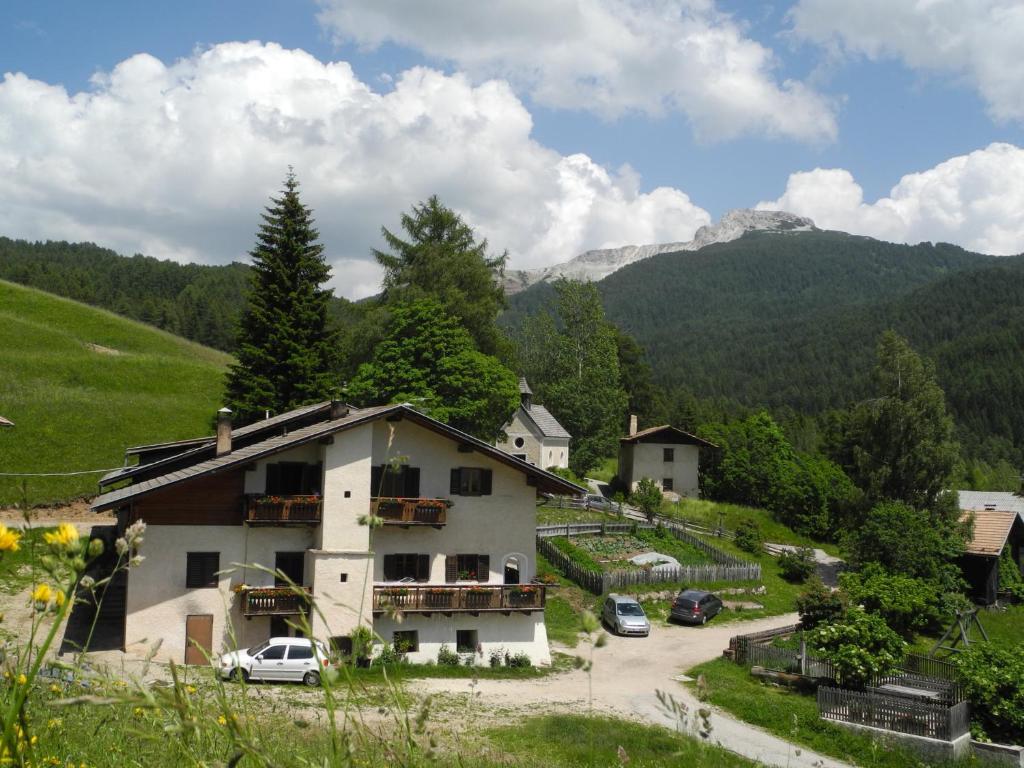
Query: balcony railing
x=411, y=511
x=274, y=601
x=283, y=510
x=450, y=598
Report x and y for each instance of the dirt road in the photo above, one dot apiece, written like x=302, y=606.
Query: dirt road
x=627, y=674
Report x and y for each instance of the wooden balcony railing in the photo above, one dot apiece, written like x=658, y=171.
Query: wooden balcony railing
x=274, y=601
x=406, y=512
x=450, y=598
x=283, y=510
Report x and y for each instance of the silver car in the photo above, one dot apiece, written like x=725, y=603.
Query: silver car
x=625, y=616
x=279, y=658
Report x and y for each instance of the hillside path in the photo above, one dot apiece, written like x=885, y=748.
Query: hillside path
x=627, y=674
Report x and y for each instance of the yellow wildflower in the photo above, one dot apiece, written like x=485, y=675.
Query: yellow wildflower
x=65, y=537
x=54, y=688
x=8, y=539
x=42, y=594
x=55, y=722
x=22, y=680
x=137, y=711
x=190, y=688
x=221, y=720
x=59, y=598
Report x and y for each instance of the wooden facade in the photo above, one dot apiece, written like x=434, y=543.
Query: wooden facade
x=206, y=500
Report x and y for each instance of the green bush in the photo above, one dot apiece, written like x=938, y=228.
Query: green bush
x=647, y=497
x=993, y=680
x=519, y=660
x=907, y=605
x=446, y=657
x=748, y=537
x=797, y=566
x=581, y=556
x=860, y=646
x=819, y=605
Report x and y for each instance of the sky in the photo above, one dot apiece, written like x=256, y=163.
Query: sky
x=552, y=128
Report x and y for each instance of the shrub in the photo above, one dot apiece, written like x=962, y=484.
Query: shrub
x=647, y=497
x=446, y=657
x=860, y=646
x=907, y=605
x=495, y=657
x=797, y=566
x=818, y=604
x=748, y=537
x=993, y=680
x=520, y=660
x=389, y=656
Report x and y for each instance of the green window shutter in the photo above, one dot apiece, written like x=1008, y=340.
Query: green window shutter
x=456, y=483
x=483, y=567
x=485, y=482
x=451, y=568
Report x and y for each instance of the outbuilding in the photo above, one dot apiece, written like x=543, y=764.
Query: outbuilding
x=667, y=455
x=998, y=532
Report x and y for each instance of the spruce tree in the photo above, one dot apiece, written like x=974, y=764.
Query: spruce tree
x=285, y=344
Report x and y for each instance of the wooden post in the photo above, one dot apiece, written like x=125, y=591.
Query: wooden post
x=803, y=655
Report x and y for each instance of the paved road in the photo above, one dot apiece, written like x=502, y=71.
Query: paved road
x=628, y=673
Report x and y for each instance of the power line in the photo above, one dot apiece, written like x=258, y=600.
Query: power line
x=57, y=474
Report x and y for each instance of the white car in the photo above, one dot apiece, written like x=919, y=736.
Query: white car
x=279, y=658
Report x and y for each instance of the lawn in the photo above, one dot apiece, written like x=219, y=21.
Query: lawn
x=16, y=567
x=82, y=384
x=551, y=515
x=605, y=471
x=793, y=716
x=1004, y=628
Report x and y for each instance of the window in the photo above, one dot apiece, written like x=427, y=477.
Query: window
x=292, y=478
x=406, y=566
x=395, y=482
x=201, y=569
x=666, y=484
x=465, y=641
x=341, y=644
x=519, y=442
x=300, y=652
x=406, y=641
x=274, y=652
x=292, y=565
x=471, y=481
x=467, y=568
x=669, y=454
x=279, y=627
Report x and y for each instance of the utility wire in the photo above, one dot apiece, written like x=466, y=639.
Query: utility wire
x=57, y=474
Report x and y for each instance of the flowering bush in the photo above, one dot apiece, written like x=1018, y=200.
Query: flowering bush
x=993, y=680
x=860, y=646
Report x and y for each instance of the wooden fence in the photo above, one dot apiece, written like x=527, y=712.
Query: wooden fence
x=929, y=667
x=895, y=713
x=579, y=529
x=600, y=582
x=788, y=660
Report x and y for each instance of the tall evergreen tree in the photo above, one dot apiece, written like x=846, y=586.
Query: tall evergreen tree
x=442, y=260
x=285, y=344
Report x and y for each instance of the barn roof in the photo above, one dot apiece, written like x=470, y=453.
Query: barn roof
x=991, y=530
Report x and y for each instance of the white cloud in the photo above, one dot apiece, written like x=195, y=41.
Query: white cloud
x=978, y=41
x=607, y=56
x=178, y=161
x=974, y=200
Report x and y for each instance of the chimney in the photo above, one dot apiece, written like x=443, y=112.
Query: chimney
x=632, y=424
x=223, y=431
x=338, y=410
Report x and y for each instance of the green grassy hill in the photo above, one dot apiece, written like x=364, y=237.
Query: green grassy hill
x=81, y=384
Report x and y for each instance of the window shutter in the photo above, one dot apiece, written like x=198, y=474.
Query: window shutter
x=412, y=482
x=456, y=483
x=390, y=567
x=376, y=475
x=483, y=567
x=311, y=474
x=485, y=482
x=273, y=479
x=451, y=568
x=194, y=572
x=422, y=567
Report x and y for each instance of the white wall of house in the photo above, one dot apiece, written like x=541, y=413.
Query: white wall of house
x=495, y=632
x=523, y=437
x=158, y=602
x=640, y=460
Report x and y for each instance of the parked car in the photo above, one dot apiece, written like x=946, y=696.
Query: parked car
x=597, y=501
x=279, y=658
x=693, y=606
x=625, y=616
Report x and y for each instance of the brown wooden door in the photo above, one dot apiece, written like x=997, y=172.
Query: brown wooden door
x=198, y=638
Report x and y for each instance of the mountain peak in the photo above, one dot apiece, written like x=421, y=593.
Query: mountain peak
x=598, y=264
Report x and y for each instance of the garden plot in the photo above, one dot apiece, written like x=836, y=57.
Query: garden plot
x=643, y=549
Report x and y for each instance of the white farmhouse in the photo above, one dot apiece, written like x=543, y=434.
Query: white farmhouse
x=534, y=435
x=453, y=562
x=668, y=456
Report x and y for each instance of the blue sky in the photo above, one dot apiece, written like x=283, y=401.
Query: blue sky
x=719, y=106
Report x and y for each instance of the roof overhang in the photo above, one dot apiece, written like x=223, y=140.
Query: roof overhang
x=992, y=528
x=668, y=435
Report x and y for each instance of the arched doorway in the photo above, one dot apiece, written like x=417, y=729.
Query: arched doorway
x=515, y=569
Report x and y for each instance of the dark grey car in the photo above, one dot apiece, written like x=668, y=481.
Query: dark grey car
x=693, y=606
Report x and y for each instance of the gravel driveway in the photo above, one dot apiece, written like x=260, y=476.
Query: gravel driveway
x=627, y=673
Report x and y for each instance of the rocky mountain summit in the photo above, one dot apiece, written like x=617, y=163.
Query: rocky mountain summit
x=598, y=264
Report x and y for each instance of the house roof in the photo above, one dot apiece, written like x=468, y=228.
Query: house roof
x=991, y=530
x=545, y=481
x=666, y=434
x=200, y=446
x=524, y=388
x=545, y=422
x=6, y=422
x=991, y=500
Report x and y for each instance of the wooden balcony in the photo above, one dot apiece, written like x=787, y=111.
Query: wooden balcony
x=450, y=598
x=274, y=601
x=407, y=512
x=283, y=510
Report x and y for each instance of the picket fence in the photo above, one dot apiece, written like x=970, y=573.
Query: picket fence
x=895, y=713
